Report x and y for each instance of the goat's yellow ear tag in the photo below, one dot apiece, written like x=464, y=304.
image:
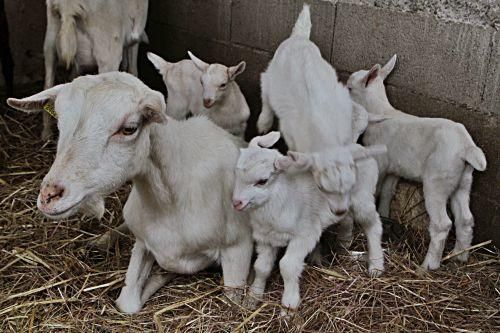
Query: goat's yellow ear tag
x=50, y=109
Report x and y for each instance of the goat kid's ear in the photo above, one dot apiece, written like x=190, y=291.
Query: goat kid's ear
x=372, y=75
x=202, y=66
x=36, y=102
x=359, y=152
x=265, y=141
x=160, y=64
x=282, y=163
x=153, y=108
x=387, y=69
x=301, y=161
x=234, y=71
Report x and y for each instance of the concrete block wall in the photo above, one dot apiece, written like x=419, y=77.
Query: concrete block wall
x=445, y=69
x=27, y=21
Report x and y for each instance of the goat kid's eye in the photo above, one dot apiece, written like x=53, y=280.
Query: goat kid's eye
x=222, y=86
x=261, y=182
x=127, y=131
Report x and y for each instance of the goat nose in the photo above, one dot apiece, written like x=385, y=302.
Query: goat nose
x=207, y=102
x=340, y=212
x=237, y=203
x=51, y=192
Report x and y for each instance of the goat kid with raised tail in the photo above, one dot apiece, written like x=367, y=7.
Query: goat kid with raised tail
x=438, y=152
x=204, y=89
x=287, y=209
x=85, y=35
x=302, y=90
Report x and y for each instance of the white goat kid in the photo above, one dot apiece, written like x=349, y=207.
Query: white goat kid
x=285, y=210
x=302, y=90
x=202, y=89
x=438, y=152
x=213, y=91
x=113, y=128
x=347, y=176
x=88, y=34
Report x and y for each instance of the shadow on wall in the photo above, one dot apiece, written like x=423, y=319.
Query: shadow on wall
x=5, y=53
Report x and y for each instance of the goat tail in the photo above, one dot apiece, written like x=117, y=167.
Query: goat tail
x=475, y=157
x=67, y=40
x=303, y=25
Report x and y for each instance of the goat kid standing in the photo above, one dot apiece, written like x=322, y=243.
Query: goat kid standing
x=438, y=152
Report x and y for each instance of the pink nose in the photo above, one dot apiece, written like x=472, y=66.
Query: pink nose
x=51, y=193
x=207, y=102
x=238, y=205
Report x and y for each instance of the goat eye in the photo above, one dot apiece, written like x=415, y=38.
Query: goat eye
x=223, y=85
x=261, y=182
x=128, y=130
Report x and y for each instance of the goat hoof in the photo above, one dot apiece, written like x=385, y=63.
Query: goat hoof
x=46, y=134
x=128, y=305
x=234, y=295
x=462, y=257
x=250, y=302
x=375, y=272
x=102, y=242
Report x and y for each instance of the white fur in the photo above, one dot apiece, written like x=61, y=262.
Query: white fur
x=180, y=207
x=302, y=90
x=316, y=114
x=288, y=210
x=205, y=89
x=89, y=34
x=438, y=152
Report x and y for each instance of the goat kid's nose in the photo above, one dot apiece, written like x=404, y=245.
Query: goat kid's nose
x=50, y=193
x=237, y=204
x=207, y=102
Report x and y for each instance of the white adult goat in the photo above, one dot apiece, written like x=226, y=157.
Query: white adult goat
x=438, y=152
x=88, y=34
x=205, y=89
x=113, y=128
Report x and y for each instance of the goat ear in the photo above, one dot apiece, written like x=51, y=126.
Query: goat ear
x=387, y=69
x=359, y=152
x=371, y=75
x=153, y=108
x=265, y=141
x=160, y=64
x=202, y=66
x=36, y=102
x=234, y=71
x=301, y=161
x=282, y=163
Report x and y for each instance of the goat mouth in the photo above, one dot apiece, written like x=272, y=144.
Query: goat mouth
x=242, y=207
x=208, y=105
x=67, y=212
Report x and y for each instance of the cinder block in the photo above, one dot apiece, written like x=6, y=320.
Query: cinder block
x=264, y=24
x=442, y=59
x=27, y=20
x=204, y=18
x=491, y=97
x=484, y=129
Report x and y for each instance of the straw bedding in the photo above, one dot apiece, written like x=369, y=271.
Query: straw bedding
x=52, y=281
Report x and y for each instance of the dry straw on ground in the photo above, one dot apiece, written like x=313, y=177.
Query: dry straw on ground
x=51, y=281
